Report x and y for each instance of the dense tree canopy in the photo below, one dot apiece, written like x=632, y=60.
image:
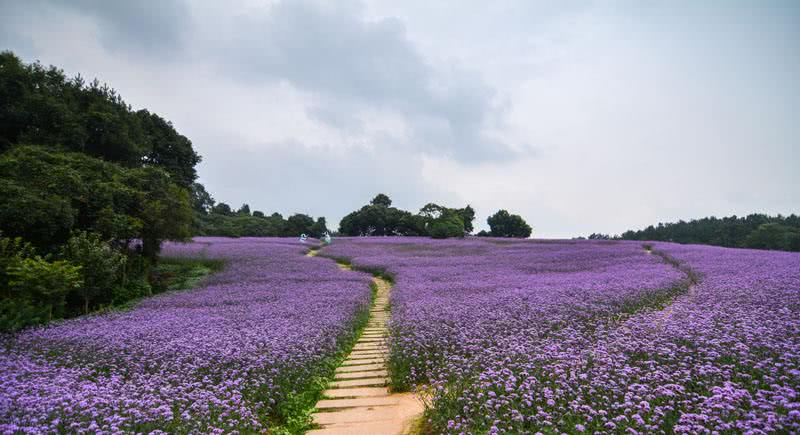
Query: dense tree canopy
x=42, y=106
x=89, y=189
x=218, y=219
x=379, y=218
x=47, y=194
x=381, y=199
x=757, y=231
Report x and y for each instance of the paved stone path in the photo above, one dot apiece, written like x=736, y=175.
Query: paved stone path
x=358, y=400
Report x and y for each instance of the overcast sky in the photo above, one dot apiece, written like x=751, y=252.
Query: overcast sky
x=580, y=116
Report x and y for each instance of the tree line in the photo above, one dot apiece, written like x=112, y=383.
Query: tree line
x=756, y=231
x=379, y=218
x=89, y=188
x=219, y=219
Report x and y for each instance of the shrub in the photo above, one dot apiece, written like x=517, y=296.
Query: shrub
x=101, y=267
x=36, y=282
x=133, y=289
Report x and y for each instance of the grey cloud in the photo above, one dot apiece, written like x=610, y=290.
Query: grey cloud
x=332, y=51
x=147, y=28
x=13, y=13
x=338, y=117
x=328, y=104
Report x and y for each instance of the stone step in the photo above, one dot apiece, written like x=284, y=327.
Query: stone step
x=352, y=403
x=368, y=352
x=369, y=382
x=368, y=344
x=362, y=374
x=372, y=353
x=365, y=346
x=357, y=392
x=355, y=362
x=354, y=415
x=361, y=351
x=371, y=340
x=361, y=368
x=361, y=428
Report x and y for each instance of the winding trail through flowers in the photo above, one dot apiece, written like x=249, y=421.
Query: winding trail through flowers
x=358, y=401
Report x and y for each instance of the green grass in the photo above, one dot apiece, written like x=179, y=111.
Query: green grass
x=172, y=274
x=377, y=272
x=182, y=273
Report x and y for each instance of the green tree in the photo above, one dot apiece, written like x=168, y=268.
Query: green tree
x=447, y=226
x=770, y=236
x=319, y=228
x=48, y=193
x=42, y=106
x=244, y=210
x=731, y=231
x=504, y=224
x=467, y=215
x=101, y=267
x=202, y=202
x=168, y=149
x=165, y=211
x=381, y=199
x=411, y=225
x=299, y=224
x=432, y=212
x=45, y=284
x=223, y=209
x=378, y=218
x=12, y=252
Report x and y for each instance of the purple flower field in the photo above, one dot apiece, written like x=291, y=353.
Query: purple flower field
x=516, y=336
x=228, y=356
x=582, y=336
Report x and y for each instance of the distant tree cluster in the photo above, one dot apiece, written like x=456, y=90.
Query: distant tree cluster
x=505, y=224
x=379, y=218
x=88, y=191
x=757, y=231
x=219, y=219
